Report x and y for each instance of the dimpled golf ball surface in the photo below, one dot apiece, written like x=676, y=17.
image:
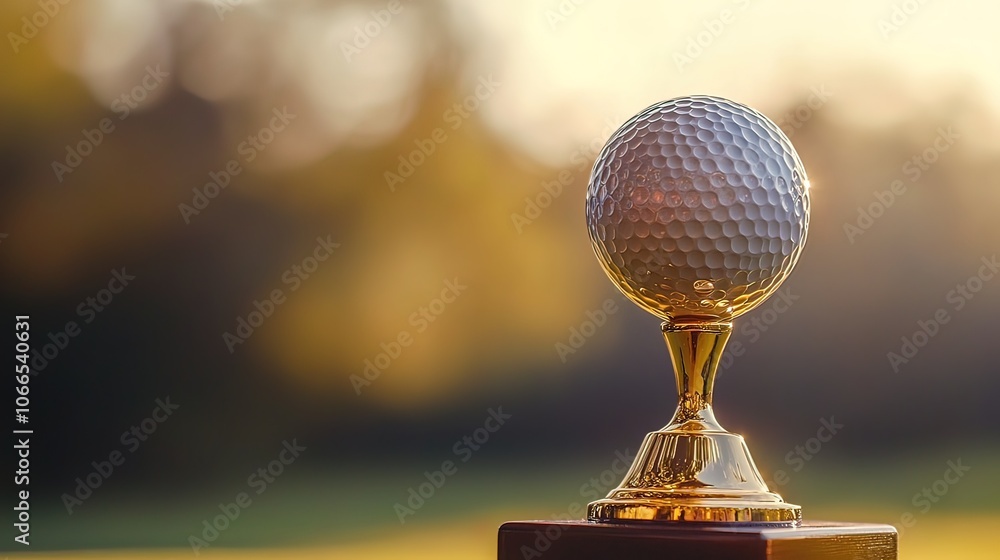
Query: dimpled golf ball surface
x=698, y=208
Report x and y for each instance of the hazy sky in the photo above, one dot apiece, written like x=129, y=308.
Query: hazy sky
x=610, y=62
x=568, y=69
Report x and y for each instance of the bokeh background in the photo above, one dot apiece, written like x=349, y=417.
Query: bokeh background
x=448, y=143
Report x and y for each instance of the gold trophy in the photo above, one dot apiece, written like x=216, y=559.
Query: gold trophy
x=698, y=209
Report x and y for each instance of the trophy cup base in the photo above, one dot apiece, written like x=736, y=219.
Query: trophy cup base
x=704, y=510
x=694, y=472
x=589, y=540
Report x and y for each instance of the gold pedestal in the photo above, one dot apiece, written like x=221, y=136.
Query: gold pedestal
x=666, y=483
x=693, y=469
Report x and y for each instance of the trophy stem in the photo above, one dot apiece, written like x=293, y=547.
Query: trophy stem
x=693, y=469
x=695, y=351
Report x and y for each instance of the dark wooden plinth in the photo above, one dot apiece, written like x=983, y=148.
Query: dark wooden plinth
x=582, y=540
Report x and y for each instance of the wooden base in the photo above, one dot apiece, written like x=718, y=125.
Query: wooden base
x=583, y=540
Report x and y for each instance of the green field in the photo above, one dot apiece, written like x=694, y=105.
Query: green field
x=353, y=514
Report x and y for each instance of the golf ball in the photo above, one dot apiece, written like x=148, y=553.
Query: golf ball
x=698, y=208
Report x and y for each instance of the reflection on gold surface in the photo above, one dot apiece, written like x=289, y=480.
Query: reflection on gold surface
x=693, y=469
